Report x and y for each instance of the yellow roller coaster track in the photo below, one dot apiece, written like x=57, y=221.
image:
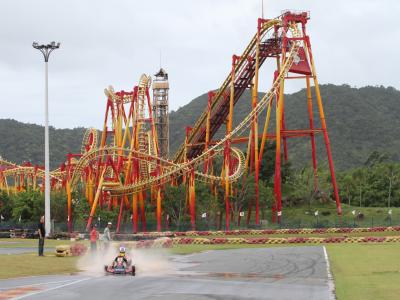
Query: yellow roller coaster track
x=173, y=169
x=250, y=51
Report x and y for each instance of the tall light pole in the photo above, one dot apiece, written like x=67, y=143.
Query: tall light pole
x=46, y=50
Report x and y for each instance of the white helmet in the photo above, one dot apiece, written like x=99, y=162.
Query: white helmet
x=122, y=249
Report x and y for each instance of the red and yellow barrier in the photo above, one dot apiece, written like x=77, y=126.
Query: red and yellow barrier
x=177, y=241
x=289, y=240
x=267, y=232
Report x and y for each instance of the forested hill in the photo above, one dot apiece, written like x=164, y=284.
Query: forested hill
x=21, y=142
x=359, y=120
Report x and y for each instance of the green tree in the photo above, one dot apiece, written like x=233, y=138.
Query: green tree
x=28, y=206
x=347, y=185
x=59, y=207
x=267, y=167
x=359, y=177
x=246, y=194
x=376, y=158
x=174, y=203
x=6, y=206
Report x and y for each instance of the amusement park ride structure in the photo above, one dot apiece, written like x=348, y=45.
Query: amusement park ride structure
x=160, y=111
x=128, y=163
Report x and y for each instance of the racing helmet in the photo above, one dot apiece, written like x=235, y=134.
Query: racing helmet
x=122, y=251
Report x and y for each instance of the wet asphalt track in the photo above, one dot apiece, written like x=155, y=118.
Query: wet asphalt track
x=258, y=273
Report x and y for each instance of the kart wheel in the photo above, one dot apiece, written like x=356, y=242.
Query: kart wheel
x=106, y=269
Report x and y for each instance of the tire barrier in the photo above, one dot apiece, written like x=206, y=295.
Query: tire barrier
x=267, y=232
x=157, y=243
x=291, y=240
x=21, y=233
x=166, y=242
x=63, y=251
x=137, y=237
x=78, y=249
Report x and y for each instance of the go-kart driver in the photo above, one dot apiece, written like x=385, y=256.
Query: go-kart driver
x=121, y=264
x=122, y=255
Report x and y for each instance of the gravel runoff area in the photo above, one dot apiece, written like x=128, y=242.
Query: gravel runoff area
x=258, y=273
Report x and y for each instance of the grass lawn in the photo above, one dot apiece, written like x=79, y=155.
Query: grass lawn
x=22, y=243
x=304, y=215
x=366, y=271
x=31, y=264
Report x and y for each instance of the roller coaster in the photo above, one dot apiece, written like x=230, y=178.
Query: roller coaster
x=118, y=168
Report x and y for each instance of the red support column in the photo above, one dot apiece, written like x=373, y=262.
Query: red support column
x=69, y=196
x=285, y=148
x=208, y=159
x=277, y=178
x=226, y=175
x=135, y=215
x=323, y=124
x=227, y=152
x=192, y=200
x=311, y=121
x=121, y=207
x=279, y=112
x=158, y=209
x=191, y=192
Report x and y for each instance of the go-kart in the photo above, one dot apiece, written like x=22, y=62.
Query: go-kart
x=120, y=267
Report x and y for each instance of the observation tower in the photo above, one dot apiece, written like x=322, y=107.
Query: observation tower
x=160, y=111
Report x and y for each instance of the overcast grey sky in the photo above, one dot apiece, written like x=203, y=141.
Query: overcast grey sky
x=114, y=42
